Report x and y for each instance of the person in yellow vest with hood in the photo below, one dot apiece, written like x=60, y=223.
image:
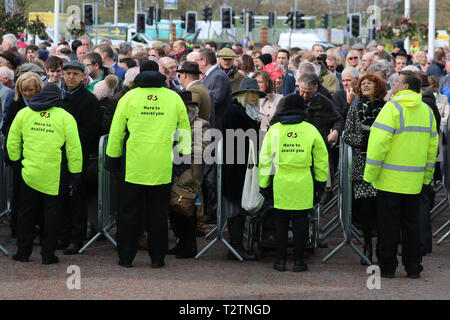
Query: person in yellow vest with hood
x=151, y=114
x=37, y=136
x=401, y=154
x=292, y=147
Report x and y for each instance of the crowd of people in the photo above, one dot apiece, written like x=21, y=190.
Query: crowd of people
x=57, y=101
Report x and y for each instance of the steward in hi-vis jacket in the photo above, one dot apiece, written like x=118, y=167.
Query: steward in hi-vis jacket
x=292, y=147
x=401, y=154
x=37, y=136
x=151, y=114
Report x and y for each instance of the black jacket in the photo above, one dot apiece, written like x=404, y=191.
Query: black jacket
x=340, y=101
x=321, y=112
x=233, y=174
x=13, y=109
x=109, y=107
x=84, y=107
x=430, y=100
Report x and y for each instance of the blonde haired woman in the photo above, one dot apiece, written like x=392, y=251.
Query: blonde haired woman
x=27, y=85
x=353, y=60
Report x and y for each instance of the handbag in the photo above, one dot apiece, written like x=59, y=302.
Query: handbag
x=182, y=200
x=252, y=200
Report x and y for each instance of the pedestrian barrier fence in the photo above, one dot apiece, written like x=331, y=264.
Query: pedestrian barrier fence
x=5, y=187
x=345, y=202
x=445, y=182
x=221, y=213
x=107, y=197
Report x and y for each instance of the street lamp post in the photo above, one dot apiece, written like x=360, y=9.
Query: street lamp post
x=431, y=28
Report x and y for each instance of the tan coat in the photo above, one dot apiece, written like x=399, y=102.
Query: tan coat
x=328, y=79
x=201, y=95
x=267, y=108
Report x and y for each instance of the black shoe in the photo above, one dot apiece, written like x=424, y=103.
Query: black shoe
x=367, y=254
x=50, y=260
x=414, y=276
x=18, y=257
x=61, y=245
x=249, y=256
x=158, y=264
x=300, y=266
x=280, y=265
x=185, y=255
x=175, y=249
x=387, y=275
x=72, y=248
x=125, y=264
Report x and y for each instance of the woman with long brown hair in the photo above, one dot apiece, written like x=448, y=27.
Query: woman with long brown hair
x=370, y=91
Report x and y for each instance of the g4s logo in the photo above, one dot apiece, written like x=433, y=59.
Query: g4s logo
x=292, y=135
x=45, y=114
x=152, y=97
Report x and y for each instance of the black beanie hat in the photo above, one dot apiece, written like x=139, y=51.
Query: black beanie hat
x=149, y=65
x=292, y=104
x=265, y=58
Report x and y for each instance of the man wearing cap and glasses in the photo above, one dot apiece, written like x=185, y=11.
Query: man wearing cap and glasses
x=190, y=80
x=226, y=58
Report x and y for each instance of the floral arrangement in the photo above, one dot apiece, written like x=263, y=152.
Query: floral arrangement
x=12, y=23
x=385, y=31
x=75, y=27
x=36, y=27
x=406, y=27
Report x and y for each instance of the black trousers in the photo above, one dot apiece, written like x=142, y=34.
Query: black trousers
x=365, y=212
x=425, y=206
x=15, y=199
x=136, y=202
x=209, y=188
x=32, y=202
x=398, y=221
x=74, y=219
x=184, y=229
x=299, y=220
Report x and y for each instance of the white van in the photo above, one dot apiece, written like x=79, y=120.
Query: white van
x=302, y=40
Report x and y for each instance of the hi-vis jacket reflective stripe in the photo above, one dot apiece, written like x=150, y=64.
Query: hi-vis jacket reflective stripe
x=292, y=149
x=152, y=116
x=38, y=137
x=402, y=146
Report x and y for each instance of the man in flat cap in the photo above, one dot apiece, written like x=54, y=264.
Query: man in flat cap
x=226, y=59
x=84, y=107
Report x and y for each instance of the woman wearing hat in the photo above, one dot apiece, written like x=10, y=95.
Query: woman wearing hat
x=296, y=151
x=243, y=115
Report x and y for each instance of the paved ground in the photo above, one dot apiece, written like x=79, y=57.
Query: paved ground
x=216, y=277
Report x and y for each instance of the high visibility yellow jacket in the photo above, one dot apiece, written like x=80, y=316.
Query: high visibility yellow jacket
x=403, y=144
x=38, y=137
x=291, y=149
x=152, y=116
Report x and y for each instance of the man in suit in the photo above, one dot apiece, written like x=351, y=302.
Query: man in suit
x=190, y=80
x=219, y=86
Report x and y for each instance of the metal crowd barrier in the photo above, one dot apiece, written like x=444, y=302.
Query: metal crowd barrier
x=345, y=202
x=5, y=188
x=107, y=197
x=445, y=185
x=221, y=213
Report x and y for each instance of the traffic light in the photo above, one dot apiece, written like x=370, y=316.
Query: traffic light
x=183, y=22
x=159, y=14
x=226, y=17
x=290, y=19
x=140, y=23
x=88, y=14
x=210, y=15
x=355, y=24
x=151, y=15
x=242, y=17
x=232, y=17
x=271, y=22
x=251, y=21
x=299, y=23
x=325, y=21
x=191, y=20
